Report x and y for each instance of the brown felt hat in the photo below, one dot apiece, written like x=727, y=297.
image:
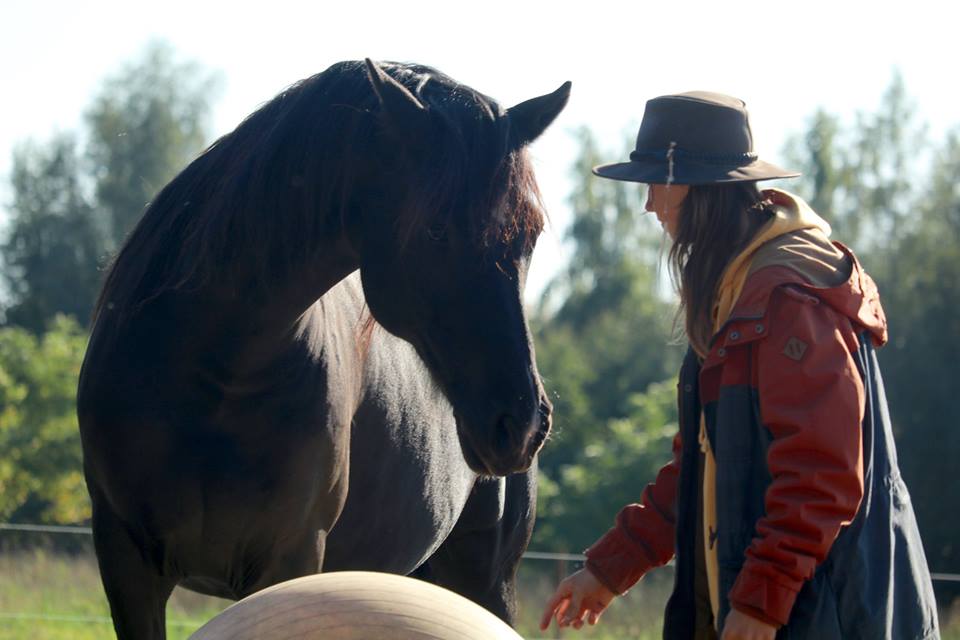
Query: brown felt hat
x=694, y=138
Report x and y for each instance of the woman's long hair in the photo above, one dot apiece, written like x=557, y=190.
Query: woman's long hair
x=715, y=224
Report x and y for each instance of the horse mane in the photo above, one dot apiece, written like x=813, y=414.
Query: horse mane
x=254, y=205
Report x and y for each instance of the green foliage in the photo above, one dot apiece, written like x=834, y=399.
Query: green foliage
x=893, y=196
x=603, y=333
x=148, y=122
x=145, y=124
x=919, y=280
x=71, y=208
x=862, y=177
x=41, y=476
x=603, y=336
x=51, y=255
x=622, y=455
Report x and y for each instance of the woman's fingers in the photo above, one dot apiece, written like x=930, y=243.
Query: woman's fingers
x=596, y=611
x=557, y=605
x=588, y=612
x=578, y=599
x=575, y=619
x=570, y=610
x=563, y=608
x=562, y=592
x=548, y=610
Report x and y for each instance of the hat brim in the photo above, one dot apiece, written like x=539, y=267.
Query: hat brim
x=691, y=173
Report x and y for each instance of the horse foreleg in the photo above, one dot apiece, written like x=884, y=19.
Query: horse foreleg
x=136, y=591
x=480, y=557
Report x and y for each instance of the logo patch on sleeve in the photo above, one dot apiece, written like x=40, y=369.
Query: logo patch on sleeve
x=795, y=349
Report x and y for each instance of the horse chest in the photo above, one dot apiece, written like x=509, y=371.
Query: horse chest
x=408, y=479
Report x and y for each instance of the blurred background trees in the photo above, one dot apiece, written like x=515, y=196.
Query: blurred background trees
x=604, y=337
x=70, y=210
x=51, y=254
x=41, y=478
x=148, y=121
x=893, y=196
x=604, y=328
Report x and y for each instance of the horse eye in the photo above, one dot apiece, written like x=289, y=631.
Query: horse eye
x=437, y=232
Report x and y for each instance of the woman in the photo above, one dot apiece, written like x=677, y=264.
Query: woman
x=783, y=505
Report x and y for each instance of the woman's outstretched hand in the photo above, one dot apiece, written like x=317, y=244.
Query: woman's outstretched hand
x=579, y=597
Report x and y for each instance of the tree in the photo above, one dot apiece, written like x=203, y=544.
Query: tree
x=602, y=335
x=41, y=478
x=893, y=197
x=819, y=154
x=604, y=347
x=920, y=292
x=147, y=123
x=69, y=209
x=578, y=500
x=862, y=177
x=51, y=255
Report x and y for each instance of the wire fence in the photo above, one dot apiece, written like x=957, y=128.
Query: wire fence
x=645, y=600
x=529, y=555
x=53, y=610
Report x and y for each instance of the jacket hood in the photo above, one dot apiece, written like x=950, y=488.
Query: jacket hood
x=790, y=214
x=857, y=298
x=794, y=250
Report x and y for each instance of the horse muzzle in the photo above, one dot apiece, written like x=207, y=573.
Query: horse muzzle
x=516, y=444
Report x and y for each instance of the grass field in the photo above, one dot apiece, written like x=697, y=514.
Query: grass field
x=49, y=596
x=45, y=596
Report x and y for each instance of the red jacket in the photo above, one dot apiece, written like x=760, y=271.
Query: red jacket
x=789, y=349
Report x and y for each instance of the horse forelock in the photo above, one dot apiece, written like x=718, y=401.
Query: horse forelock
x=474, y=178
x=520, y=212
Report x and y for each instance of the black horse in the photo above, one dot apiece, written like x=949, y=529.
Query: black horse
x=244, y=418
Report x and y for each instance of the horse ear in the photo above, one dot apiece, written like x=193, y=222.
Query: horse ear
x=530, y=118
x=396, y=101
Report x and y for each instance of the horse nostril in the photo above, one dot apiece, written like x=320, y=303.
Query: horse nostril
x=515, y=437
x=507, y=431
x=544, y=423
x=545, y=410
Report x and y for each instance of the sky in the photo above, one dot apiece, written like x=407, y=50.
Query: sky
x=784, y=59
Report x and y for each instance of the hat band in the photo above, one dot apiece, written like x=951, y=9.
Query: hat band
x=738, y=159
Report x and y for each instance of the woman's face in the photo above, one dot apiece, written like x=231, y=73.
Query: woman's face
x=665, y=202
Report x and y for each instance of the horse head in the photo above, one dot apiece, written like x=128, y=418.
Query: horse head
x=444, y=230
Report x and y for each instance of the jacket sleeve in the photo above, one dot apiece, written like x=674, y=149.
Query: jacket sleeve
x=812, y=401
x=643, y=536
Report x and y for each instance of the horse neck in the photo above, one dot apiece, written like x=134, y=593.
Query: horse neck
x=222, y=333
x=282, y=358
x=286, y=311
